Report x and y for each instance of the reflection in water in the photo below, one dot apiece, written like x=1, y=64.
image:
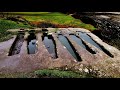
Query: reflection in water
x=50, y=45
x=88, y=39
x=32, y=45
x=76, y=39
x=79, y=42
x=69, y=47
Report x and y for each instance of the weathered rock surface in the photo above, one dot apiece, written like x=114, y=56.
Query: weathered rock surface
x=24, y=62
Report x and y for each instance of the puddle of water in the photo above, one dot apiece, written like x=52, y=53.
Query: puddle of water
x=76, y=39
x=79, y=42
x=50, y=45
x=88, y=39
x=17, y=44
x=69, y=47
x=31, y=44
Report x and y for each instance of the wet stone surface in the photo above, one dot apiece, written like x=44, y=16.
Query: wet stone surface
x=67, y=44
x=49, y=43
x=67, y=54
x=32, y=43
x=17, y=44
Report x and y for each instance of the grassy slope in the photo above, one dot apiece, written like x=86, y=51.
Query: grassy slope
x=7, y=24
x=54, y=18
x=50, y=17
x=59, y=18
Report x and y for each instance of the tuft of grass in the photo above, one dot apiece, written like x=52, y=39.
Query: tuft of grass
x=60, y=74
x=52, y=73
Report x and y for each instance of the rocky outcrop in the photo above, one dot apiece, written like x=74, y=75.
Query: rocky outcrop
x=108, y=26
x=109, y=29
x=24, y=62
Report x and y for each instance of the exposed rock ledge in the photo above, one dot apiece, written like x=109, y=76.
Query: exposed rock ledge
x=26, y=63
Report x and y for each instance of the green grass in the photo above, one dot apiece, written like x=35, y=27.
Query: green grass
x=7, y=24
x=52, y=73
x=61, y=19
x=57, y=73
x=47, y=73
x=54, y=18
